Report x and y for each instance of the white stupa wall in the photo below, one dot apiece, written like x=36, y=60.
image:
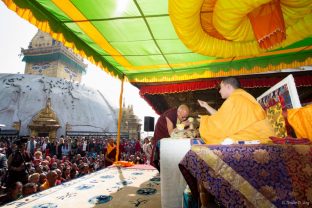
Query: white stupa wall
x=23, y=96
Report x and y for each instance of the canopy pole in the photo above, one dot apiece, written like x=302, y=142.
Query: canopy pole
x=119, y=117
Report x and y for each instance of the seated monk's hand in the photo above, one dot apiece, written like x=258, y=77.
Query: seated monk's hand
x=202, y=103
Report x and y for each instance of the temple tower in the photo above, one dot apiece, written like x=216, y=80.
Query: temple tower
x=130, y=123
x=51, y=58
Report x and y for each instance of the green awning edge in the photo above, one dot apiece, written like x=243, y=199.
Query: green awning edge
x=248, y=64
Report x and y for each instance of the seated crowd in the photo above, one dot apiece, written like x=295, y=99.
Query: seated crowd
x=38, y=163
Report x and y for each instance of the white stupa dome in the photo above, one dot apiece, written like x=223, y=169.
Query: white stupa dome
x=84, y=109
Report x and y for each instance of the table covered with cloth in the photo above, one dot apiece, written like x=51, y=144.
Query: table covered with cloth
x=251, y=175
x=136, y=186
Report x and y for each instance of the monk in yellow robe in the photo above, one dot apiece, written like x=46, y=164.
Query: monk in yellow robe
x=240, y=118
x=110, y=155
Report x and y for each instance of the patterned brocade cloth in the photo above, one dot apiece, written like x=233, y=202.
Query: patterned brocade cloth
x=252, y=175
x=136, y=186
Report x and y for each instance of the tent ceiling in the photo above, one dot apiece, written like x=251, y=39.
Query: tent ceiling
x=149, y=41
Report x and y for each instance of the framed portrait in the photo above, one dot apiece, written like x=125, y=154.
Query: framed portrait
x=284, y=92
x=276, y=101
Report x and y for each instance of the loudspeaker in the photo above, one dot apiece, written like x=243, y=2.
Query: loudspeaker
x=148, y=123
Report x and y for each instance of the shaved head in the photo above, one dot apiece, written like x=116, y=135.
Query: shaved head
x=183, y=112
x=233, y=81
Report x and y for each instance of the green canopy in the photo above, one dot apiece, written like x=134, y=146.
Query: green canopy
x=143, y=41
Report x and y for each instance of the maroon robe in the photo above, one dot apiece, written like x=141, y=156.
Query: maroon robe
x=161, y=131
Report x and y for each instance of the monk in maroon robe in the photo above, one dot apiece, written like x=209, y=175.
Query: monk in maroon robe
x=165, y=125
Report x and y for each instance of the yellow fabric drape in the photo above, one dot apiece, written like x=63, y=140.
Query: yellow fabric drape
x=301, y=121
x=231, y=21
x=119, y=117
x=240, y=118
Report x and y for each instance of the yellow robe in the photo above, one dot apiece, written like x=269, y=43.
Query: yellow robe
x=240, y=118
x=110, y=148
x=301, y=121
